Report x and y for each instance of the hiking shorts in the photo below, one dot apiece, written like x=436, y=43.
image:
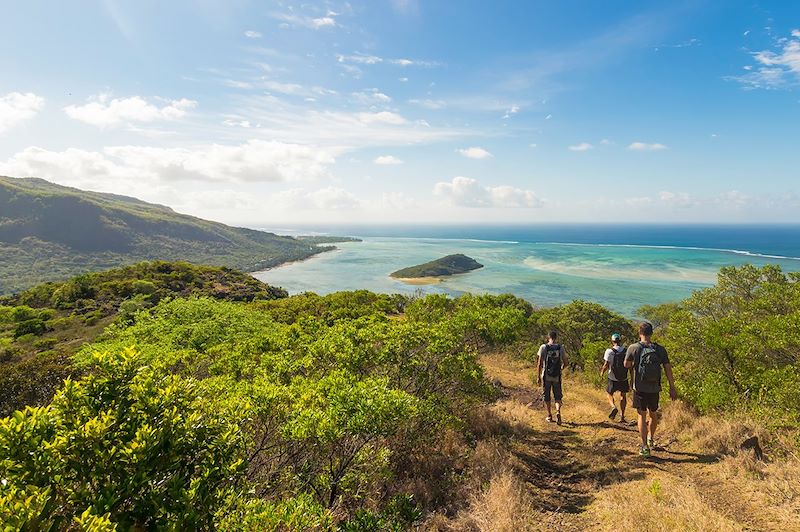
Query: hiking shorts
x=555, y=387
x=645, y=400
x=618, y=386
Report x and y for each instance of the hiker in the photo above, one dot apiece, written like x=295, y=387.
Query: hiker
x=647, y=358
x=614, y=363
x=552, y=361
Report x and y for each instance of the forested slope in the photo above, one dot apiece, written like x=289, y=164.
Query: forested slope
x=50, y=232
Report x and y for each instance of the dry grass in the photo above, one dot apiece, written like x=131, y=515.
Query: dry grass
x=503, y=505
x=661, y=503
x=710, y=434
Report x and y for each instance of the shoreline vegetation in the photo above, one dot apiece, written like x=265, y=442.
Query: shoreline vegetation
x=50, y=232
x=171, y=395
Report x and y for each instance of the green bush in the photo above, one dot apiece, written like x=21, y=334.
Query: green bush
x=33, y=326
x=126, y=442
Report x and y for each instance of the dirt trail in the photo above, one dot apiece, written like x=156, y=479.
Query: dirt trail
x=587, y=474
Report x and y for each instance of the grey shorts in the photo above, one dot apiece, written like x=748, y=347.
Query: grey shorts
x=555, y=387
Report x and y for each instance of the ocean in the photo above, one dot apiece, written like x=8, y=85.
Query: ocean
x=620, y=266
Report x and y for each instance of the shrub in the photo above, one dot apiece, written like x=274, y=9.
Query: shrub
x=125, y=442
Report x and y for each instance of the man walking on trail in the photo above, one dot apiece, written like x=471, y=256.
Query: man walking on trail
x=614, y=362
x=647, y=358
x=551, y=364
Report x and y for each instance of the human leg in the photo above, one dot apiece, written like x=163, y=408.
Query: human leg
x=546, y=394
x=559, y=397
x=654, y=419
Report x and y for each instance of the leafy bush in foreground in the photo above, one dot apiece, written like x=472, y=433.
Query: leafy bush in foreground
x=125, y=445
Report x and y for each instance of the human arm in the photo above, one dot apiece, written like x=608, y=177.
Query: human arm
x=564, y=358
x=629, y=359
x=539, y=362
x=539, y=371
x=607, y=357
x=673, y=392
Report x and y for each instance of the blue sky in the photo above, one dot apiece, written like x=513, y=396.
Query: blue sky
x=265, y=113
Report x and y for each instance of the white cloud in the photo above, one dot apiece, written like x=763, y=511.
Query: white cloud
x=283, y=88
x=583, y=146
x=104, y=112
x=252, y=161
x=468, y=192
x=329, y=198
x=361, y=59
x=17, y=107
x=298, y=122
x=644, y=146
x=237, y=84
x=383, y=117
x=314, y=23
x=387, y=160
x=371, y=96
x=677, y=199
x=413, y=62
x=250, y=34
x=514, y=109
x=776, y=69
x=475, y=152
x=322, y=22
x=429, y=104
x=237, y=123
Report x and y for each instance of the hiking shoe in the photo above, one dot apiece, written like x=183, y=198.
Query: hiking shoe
x=622, y=421
x=558, y=418
x=549, y=419
x=651, y=444
x=613, y=413
x=645, y=452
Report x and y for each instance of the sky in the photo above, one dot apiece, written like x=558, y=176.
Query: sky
x=409, y=111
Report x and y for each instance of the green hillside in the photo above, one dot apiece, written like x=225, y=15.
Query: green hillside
x=43, y=326
x=50, y=232
x=449, y=265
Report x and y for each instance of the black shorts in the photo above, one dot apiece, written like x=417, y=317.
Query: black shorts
x=645, y=401
x=618, y=386
x=556, y=388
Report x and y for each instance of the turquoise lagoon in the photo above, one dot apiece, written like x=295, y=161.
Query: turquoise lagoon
x=622, y=277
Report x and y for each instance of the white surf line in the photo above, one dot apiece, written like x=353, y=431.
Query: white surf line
x=692, y=248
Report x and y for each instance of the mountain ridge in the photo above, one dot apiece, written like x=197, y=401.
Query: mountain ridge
x=51, y=232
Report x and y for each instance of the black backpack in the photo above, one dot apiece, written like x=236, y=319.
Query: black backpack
x=552, y=361
x=618, y=368
x=648, y=369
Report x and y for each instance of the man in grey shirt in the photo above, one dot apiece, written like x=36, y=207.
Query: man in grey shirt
x=552, y=361
x=647, y=358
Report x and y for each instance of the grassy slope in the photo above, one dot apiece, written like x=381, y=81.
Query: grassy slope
x=587, y=475
x=449, y=265
x=49, y=232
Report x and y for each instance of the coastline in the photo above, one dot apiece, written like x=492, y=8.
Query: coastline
x=419, y=281
x=293, y=261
